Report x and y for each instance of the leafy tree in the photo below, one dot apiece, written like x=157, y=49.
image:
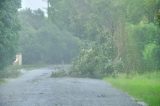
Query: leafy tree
x=9, y=28
x=130, y=27
x=158, y=18
x=42, y=42
x=141, y=45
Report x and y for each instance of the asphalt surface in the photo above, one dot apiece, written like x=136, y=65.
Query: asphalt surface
x=36, y=88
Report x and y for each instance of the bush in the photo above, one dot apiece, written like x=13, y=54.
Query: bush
x=58, y=74
x=95, y=61
x=10, y=72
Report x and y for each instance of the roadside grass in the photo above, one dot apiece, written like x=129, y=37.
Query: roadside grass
x=1, y=81
x=143, y=87
x=13, y=71
x=32, y=67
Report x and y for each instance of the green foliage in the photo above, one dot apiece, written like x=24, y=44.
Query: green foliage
x=150, y=57
x=84, y=20
x=158, y=18
x=142, y=46
x=96, y=59
x=130, y=34
x=1, y=81
x=144, y=87
x=42, y=42
x=12, y=71
x=60, y=73
x=9, y=28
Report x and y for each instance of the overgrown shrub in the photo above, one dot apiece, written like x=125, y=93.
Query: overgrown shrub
x=95, y=60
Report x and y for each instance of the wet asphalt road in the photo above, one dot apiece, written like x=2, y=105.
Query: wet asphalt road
x=36, y=88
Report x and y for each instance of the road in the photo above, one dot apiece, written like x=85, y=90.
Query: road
x=36, y=88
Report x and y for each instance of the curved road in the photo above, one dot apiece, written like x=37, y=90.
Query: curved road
x=36, y=88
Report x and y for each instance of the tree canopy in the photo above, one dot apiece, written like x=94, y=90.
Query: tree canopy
x=9, y=27
x=42, y=42
x=118, y=35
x=114, y=36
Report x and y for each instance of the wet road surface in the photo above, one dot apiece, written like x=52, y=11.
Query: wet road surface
x=36, y=88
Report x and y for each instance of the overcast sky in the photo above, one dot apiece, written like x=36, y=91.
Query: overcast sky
x=34, y=4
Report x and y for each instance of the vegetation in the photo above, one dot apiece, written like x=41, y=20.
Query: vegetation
x=1, y=81
x=113, y=36
x=42, y=42
x=118, y=36
x=9, y=28
x=144, y=87
x=11, y=71
x=61, y=71
x=106, y=37
x=14, y=71
x=59, y=74
x=33, y=66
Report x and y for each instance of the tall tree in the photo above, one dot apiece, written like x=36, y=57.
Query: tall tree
x=9, y=28
x=127, y=26
x=42, y=42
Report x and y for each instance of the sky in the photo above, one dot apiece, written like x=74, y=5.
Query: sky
x=34, y=4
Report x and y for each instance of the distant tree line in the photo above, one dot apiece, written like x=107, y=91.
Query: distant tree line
x=43, y=42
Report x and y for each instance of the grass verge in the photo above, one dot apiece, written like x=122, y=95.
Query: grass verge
x=32, y=67
x=1, y=81
x=13, y=71
x=144, y=87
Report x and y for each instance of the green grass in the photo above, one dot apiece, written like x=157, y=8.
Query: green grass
x=1, y=81
x=32, y=67
x=144, y=87
x=13, y=71
x=10, y=72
